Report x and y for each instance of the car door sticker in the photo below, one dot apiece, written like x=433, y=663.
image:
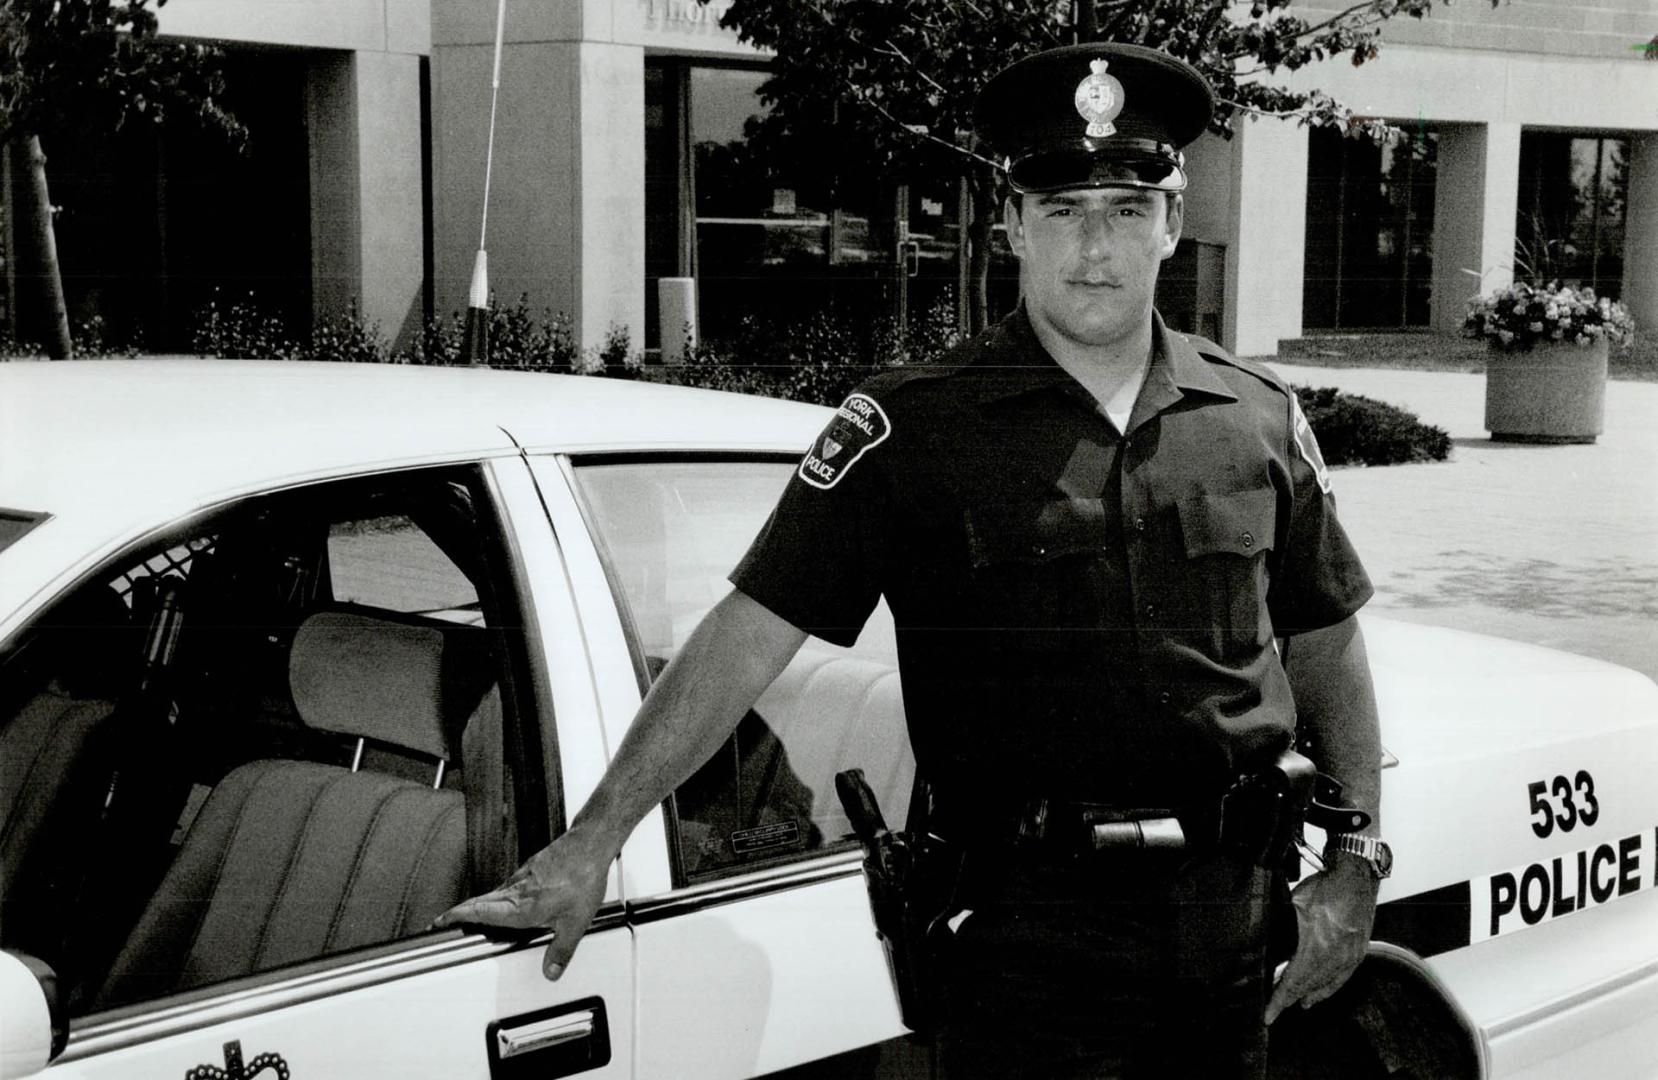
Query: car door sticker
x=1572, y=881
x=1564, y=804
x=780, y=834
x=235, y=1070
x=1495, y=905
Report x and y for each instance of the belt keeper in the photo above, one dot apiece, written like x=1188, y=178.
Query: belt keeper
x=1164, y=832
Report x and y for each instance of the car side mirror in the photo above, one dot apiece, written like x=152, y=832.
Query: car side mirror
x=35, y=1028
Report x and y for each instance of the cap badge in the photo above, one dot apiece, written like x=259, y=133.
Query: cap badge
x=1099, y=98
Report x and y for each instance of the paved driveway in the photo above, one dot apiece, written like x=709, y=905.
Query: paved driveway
x=1555, y=545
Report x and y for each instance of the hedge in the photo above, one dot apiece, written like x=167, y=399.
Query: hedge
x=1357, y=430
x=817, y=360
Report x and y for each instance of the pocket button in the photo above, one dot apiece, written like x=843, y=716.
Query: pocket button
x=1248, y=539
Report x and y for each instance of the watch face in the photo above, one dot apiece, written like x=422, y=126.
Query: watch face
x=1384, y=859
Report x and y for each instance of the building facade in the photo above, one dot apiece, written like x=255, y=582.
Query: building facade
x=620, y=162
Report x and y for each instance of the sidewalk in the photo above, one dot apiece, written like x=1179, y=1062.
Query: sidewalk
x=1555, y=545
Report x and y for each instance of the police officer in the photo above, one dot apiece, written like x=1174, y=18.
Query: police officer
x=1119, y=583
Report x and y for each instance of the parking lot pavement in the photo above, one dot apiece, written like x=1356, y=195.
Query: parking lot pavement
x=1554, y=545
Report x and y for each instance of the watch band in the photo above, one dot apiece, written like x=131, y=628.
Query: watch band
x=1372, y=849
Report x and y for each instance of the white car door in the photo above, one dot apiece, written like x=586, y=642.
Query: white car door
x=422, y=1003
x=756, y=951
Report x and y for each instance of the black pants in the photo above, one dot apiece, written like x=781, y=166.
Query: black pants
x=1135, y=965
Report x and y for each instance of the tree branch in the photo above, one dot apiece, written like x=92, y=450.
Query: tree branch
x=890, y=50
x=928, y=135
x=1334, y=19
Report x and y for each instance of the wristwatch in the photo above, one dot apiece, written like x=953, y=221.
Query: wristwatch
x=1373, y=850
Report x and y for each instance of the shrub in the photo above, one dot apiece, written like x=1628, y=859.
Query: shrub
x=520, y=339
x=517, y=338
x=346, y=338
x=615, y=357
x=819, y=360
x=1356, y=430
x=241, y=330
x=89, y=337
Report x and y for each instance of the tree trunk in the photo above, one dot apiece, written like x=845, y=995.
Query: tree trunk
x=41, y=303
x=982, y=185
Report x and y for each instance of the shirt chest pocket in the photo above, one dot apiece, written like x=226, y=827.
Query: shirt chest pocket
x=1218, y=590
x=1238, y=523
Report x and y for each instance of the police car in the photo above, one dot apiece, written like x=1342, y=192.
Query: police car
x=293, y=657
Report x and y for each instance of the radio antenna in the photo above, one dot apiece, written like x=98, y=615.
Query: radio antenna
x=475, y=346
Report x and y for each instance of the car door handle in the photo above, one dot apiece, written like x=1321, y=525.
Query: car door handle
x=563, y=1040
x=541, y=1034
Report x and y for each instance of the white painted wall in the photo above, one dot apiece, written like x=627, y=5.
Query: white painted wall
x=1266, y=250
x=1640, y=245
x=1476, y=86
x=1476, y=197
x=611, y=179
x=535, y=197
x=351, y=25
x=363, y=119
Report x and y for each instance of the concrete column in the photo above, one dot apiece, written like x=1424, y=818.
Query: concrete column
x=367, y=215
x=612, y=183
x=568, y=185
x=1640, y=243
x=1476, y=196
x=1266, y=250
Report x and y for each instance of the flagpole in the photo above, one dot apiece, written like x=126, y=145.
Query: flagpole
x=475, y=346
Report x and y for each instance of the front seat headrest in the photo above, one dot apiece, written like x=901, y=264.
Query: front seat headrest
x=372, y=678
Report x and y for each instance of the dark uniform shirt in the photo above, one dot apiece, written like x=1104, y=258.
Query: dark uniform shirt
x=1080, y=613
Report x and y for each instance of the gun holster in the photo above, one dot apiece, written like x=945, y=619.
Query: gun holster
x=1263, y=812
x=1261, y=820
x=912, y=877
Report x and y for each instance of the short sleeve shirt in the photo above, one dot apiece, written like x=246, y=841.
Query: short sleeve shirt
x=1081, y=613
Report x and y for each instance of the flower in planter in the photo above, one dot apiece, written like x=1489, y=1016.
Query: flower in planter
x=1524, y=314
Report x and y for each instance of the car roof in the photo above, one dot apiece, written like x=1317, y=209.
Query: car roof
x=84, y=433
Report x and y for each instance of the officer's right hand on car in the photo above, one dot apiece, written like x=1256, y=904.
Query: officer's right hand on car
x=560, y=888
x=735, y=652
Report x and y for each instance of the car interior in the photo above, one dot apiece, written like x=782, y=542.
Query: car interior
x=671, y=532
x=273, y=736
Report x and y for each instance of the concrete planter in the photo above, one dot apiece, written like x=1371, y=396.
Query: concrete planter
x=1554, y=393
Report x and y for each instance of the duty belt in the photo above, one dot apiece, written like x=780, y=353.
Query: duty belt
x=1256, y=819
x=1071, y=827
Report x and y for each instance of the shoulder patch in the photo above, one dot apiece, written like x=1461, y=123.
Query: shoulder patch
x=1306, y=443
x=859, y=424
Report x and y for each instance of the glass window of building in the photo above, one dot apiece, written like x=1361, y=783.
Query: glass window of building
x=1369, y=261
x=772, y=240
x=1570, y=223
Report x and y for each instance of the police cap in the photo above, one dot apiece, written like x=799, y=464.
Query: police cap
x=1094, y=115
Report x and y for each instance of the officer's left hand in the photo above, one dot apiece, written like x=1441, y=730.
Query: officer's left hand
x=1334, y=911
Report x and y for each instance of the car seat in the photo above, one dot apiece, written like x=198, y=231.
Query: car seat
x=291, y=860
x=74, y=671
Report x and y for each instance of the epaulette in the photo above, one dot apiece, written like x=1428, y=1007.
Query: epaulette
x=1214, y=353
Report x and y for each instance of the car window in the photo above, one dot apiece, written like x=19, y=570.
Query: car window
x=274, y=736
x=673, y=530
x=388, y=562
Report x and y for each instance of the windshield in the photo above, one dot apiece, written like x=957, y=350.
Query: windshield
x=14, y=523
